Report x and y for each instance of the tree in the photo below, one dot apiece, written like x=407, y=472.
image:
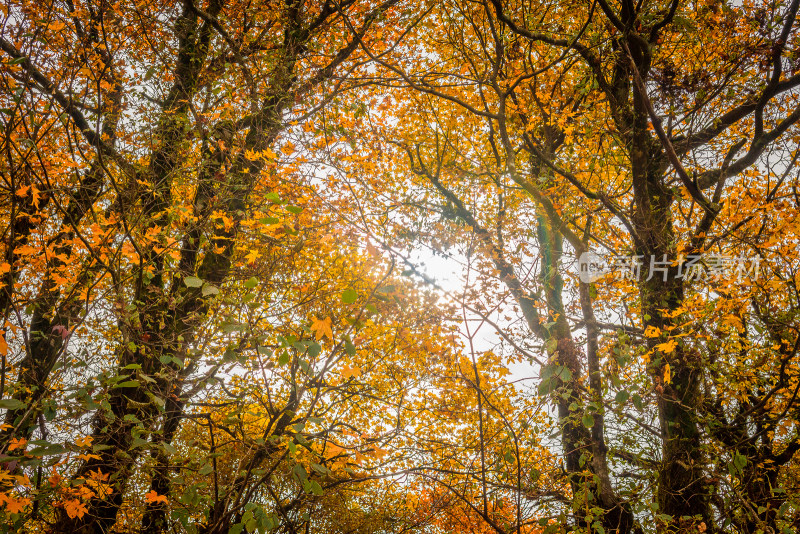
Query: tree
x=625, y=126
x=207, y=327
x=142, y=192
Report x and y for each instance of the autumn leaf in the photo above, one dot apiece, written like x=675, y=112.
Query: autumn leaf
x=652, y=331
x=14, y=505
x=75, y=508
x=85, y=441
x=321, y=327
x=17, y=443
x=152, y=497
x=348, y=371
x=667, y=347
x=379, y=453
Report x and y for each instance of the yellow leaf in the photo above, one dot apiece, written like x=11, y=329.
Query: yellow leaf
x=321, y=327
x=252, y=256
x=3, y=344
x=667, y=374
x=667, y=347
x=348, y=371
x=652, y=331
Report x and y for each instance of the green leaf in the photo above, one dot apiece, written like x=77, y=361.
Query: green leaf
x=251, y=283
x=48, y=450
x=128, y=384
x=294, y=209
x=300, y=472
x=587, y=420
x=192, y=281
x=740, y=462
x=208, y=289
x=12, y=404
x=535, y=474
x=349, y=296
x=316, y=489
x=622, y=396
x=205, y=470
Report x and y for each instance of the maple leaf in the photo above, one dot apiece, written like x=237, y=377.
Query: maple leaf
x=15, y=506
x=321, y=327
x=348, y=371
x=252, y=256
x=152, y=496
x=74, y=508
x=379, y=453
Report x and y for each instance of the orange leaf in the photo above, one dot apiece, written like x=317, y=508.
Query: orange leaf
x=75, y=508
x=152, y=496
x=84, y=442
x=15, y=506
x=17, y=444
